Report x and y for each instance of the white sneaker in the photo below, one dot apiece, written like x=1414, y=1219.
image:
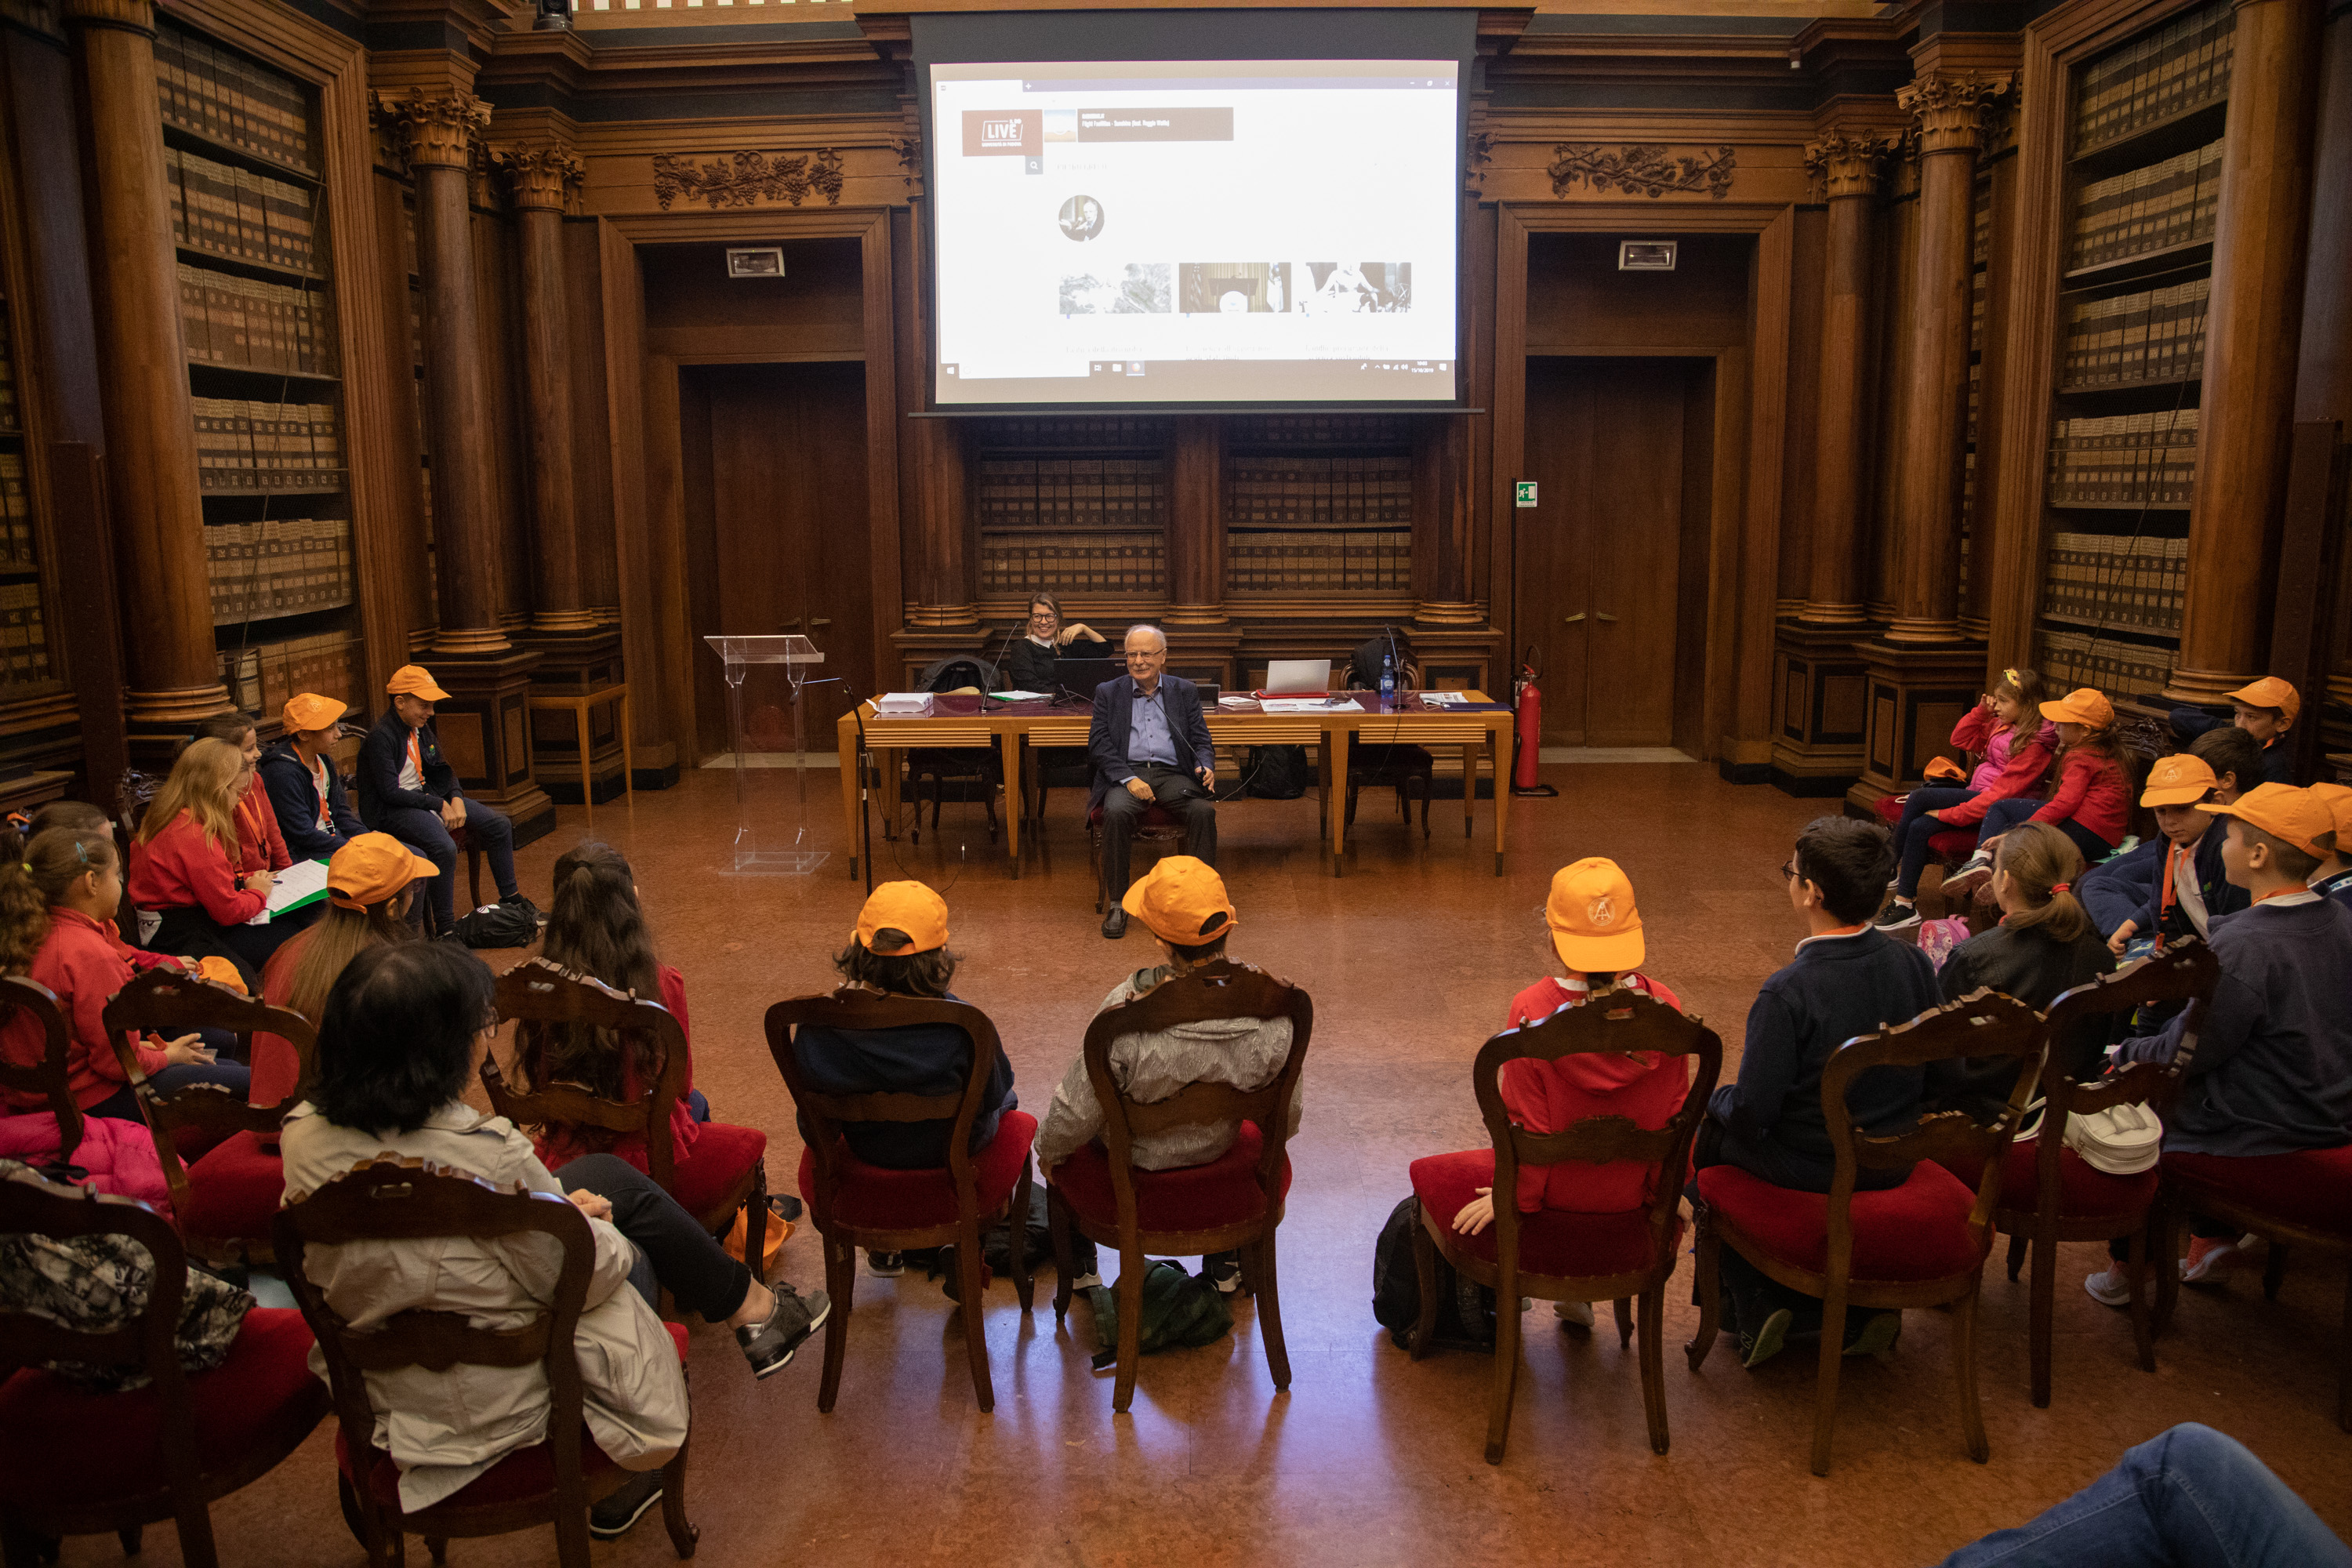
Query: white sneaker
x=1573, y=1314
x=1086, y=1282
x=2108, y=1288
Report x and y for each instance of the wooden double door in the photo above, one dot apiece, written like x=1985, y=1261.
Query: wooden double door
x=778, y=535
x=1603, y=557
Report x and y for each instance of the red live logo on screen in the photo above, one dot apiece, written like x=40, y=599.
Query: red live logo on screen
x=1006, y=133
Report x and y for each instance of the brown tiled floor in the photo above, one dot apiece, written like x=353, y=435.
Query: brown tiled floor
x=1369, y=1458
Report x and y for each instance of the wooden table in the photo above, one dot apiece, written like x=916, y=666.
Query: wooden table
x=1009, y=727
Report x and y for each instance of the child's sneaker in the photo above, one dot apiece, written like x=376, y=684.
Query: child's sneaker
x=1964, y=882
x=1222, y=1271
x=2209, y=1256
x=2109, y=1288
x=1897, y=916
x=1767, y=1342
x=886, y=1265
x=1573, y=1314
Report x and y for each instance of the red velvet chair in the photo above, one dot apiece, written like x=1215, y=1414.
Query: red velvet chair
x=551, y=1483
x=1918, y=1245
x=2049, y=1194
x=2300, y=1202
x=726, y=1169
x=47, y=1077
x=74, y=1461
x=1554, y=1255
x=854, y=1205
x=225, y=1198
x=1232, y=1201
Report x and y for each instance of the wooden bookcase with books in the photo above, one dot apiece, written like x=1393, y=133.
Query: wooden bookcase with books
x=1076, y=504
x=26, y=663
x=2143, y=188
x=257, y=305
x=1318, y=508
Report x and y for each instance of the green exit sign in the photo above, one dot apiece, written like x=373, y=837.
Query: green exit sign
x=1527, y=494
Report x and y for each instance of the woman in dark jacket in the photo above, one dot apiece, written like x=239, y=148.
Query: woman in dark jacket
x=1031, y=662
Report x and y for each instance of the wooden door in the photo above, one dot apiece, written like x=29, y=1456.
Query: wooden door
x=779, y=540
x=1599, y=556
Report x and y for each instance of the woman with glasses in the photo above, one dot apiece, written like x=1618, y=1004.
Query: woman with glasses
x=1032, y=661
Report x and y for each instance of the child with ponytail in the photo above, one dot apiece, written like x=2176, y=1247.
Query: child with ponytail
x=2007, y=728
x=2091, y=804
x=57, y=898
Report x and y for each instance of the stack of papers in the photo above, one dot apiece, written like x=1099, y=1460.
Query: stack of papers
x=902, y=705
x=1310, y=705
x=1020, y=696
x=1445, y=700
x=299, y=885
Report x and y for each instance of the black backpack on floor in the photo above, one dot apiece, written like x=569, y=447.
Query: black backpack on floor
x=1465, y=1309
x=1277, y=773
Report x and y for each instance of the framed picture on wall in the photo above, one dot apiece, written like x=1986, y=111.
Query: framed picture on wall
x=756, y=261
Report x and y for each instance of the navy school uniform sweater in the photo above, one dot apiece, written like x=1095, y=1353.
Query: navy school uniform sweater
x=912, y=1058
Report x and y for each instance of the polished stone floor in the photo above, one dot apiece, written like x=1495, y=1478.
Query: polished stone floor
x=1369, y=1458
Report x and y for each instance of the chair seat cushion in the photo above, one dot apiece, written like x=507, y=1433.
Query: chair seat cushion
x=1190, y=1197
x=874, y=1197
x=522, y=1475
x=64, y=1447
x=1552, y=1241
x=2311, y=1188
x=1956, y=845
x=234, y=1190
x=2084, y=1192
x=722, y=1155
x=1154, y=817
x=1914, y=1232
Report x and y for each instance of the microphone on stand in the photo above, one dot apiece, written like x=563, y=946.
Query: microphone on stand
x=864, y=758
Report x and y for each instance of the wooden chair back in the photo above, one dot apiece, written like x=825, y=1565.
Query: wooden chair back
x=2183, y=972
x=1222, y=989
x=1620, y=1024
x=537, y=991
x=855, y=1007
x=1984, y=1023
x=393, y=1199
x=47, y=1077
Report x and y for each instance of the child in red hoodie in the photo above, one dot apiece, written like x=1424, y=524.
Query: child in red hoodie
x=184, y=866
x=57, y=898
x=1596, y=931
x=2092, y=802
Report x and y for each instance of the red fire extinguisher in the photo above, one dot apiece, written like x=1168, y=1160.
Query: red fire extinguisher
x=1527, y=739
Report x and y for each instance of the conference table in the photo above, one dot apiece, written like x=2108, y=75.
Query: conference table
x=1477, y=725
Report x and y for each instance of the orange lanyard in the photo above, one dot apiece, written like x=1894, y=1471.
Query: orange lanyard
x=416, y=758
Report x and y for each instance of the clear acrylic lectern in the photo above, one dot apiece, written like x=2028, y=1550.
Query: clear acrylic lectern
x=764, y=677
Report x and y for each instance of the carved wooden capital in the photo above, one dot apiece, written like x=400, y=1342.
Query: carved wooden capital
x=1849, y=161
x=542, y=178
x=132, y=15
x=743, y=179
x=1642, y=169
x=42, y=16
x=1950, y=108
x=433, y=132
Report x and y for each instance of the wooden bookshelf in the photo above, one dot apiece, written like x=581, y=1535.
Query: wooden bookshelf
x=26, y=661
x=2135, y=273
x=242, y=150
x=1073, y=504
x=1318, y=508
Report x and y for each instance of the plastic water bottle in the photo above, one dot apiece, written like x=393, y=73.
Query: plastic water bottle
x=1388, y=678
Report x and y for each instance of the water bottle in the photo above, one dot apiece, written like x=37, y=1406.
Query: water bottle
x=1388, y=678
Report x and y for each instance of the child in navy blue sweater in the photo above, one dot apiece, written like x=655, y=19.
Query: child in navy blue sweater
x=1847, y=979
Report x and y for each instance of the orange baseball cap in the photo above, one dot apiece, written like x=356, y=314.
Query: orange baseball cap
x=2285, y=812
x=2337, y=799
x=1594, y=923
x=371, y=867
x=1181, y=899
x=2084, y=706
x=2269, y=691
x=1944, y=768
x=308, y=711
x=221, y=972
x=909, y=907
x=414, y=680
x=2182, y=779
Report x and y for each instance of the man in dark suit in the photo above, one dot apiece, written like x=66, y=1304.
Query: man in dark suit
x=1149, y=745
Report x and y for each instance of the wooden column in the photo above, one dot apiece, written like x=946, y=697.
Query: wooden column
x=938, y=559
x=1196, y=522
x=1949, y=108
x=2324, y=375
x=543, y=179
x=1441, y=523
x=438, y=135
x=2252, y=326
x=1849, y=163
x=150, y=434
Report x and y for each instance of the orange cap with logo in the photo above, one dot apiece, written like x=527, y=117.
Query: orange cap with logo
x=2182, y=779
x=414, y=680
x=2269, y=691
x=2337, y=799
x=909, y=907
x=2294, y=815
x=2084, y=706
x=308, y=711
x=1595, y=926
x=371, y=867
x=1182, y=900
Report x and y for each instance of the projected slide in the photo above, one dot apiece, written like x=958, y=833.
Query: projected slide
x=1197, y=232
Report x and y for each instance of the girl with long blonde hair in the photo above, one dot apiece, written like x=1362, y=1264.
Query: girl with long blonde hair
x=184, y=876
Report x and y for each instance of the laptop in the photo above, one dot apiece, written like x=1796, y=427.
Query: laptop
x=1082, y=674
x=1297, y=677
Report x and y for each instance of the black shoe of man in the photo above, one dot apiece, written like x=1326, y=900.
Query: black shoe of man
x=1115, y=924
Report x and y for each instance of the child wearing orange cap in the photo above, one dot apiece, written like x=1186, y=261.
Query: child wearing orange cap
x=408, y=789
x=2091, y=804
x=2113, y=890
x=313, y=810
x=2192, y=888
x=1183, y=904
x=2333, y=878
x=2007, y=728
x=2265, y=709
x=1594, y=931
x=2271, y=1072
x=58, y=899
